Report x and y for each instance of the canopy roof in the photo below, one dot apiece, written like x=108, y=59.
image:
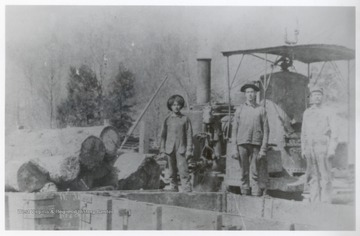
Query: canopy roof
x=305, y=53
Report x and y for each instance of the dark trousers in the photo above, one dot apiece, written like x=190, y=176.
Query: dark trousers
x=178, y=164
x=253, y=170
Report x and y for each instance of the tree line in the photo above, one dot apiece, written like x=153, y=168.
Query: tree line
x=48, y=71
x=86, y=103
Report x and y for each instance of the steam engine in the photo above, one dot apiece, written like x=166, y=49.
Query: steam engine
x=285, y=101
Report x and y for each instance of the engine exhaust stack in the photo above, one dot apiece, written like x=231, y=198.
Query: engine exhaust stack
x=204, y=81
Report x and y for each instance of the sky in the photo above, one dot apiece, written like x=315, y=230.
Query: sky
x=227, y=28
x=247, y=26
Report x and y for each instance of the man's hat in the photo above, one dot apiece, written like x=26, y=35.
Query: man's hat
x=316, y=89
x=249, y=85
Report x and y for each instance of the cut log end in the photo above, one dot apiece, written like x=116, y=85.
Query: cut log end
x=92, y=152
x=137, y=171
x=30, y=179
x=70, y=169
x=111, y=139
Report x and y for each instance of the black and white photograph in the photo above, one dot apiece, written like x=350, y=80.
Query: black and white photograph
x=180, y=116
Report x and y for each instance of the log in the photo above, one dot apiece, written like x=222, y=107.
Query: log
x=101, y=171
x=48, y=142
x=92, y=153
x=61, y=170
x=11, y=170
x=111, y=139
x=90, y=179
x=110, y=179
x=137, y=171
x=30, y=178
x=83, y=182
x=33, y=175
x=58, y=169
x=49, y=187
x=42, y=143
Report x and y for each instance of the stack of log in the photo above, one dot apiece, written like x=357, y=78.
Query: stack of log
x=96, y=165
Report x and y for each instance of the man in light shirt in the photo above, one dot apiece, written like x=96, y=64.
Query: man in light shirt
x=318, y=144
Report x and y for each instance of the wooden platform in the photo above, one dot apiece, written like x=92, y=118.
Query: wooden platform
x=150, y=210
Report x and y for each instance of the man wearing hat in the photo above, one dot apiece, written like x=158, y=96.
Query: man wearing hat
x=250, y=134
x=318, y=144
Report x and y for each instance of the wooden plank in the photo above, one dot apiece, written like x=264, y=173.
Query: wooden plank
x=303, y=227
x=36, y=211
x=39, y=211
x=324, y=216
x=67, y=208
x=219, y=222
x=144, y=141
x=236, y=222
x=132, y=215
x=194, y=200
x=319, y=216
x=245, y=205
x=258, y=213
x=27, y=211
x=181, y=218
x=95, y=215
x=158, y=218
x=7, y=215
x=16, y=211
x=109, y=215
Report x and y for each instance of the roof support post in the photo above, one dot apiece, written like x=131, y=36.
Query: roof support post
x=351, y=89
x=229, y=96
x=308, y=75
x=265, y=80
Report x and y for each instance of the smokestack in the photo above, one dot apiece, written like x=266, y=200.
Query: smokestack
x=204, y=80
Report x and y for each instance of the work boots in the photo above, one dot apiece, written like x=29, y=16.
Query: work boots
x=252, y=192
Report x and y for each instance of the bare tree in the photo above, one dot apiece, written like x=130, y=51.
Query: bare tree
x=99, y=41
x=53, y=58
x=26, y=58
x=168, y=55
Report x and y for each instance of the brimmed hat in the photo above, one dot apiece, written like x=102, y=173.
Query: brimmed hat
x=316, y=89
x=249, y=85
